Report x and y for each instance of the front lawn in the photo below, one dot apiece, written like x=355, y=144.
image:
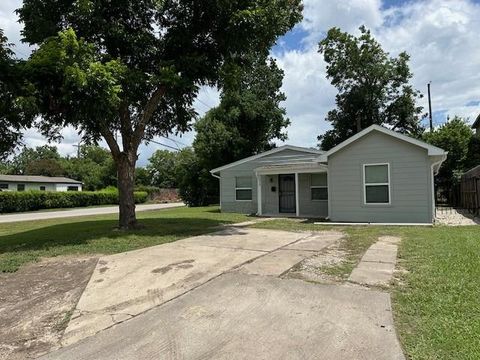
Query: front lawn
x=436, y=301
x=28, y=241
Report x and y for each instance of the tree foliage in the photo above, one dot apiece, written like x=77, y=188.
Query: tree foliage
x=249, y=117
x=15, y=105
x=135, y=67
x=455, y=136
x=373, y=88
x=162, y=169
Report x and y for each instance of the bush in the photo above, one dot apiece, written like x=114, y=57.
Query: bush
x=36, y=200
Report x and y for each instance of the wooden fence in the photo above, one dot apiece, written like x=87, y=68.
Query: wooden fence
x=470, y=191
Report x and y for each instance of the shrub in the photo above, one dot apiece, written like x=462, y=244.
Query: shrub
x=36, y=200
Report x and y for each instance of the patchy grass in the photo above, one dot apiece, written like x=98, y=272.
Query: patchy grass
x=436, y=302
x=28, y=241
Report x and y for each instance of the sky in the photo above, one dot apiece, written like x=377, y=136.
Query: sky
x=441, y=36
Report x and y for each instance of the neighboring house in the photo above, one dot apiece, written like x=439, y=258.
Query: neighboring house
x=377, y=175
x=42, y=183
x=476, y=125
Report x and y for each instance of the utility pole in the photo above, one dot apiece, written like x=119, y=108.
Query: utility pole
x=78, y=148
x=430, y=107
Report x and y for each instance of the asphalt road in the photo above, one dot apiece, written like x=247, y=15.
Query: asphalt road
x=43, y=215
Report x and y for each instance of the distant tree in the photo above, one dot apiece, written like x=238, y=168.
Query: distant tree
x=45, y=167
x=95, y=167
x=249, y=117
x=142, y=177
x=473, y=155
x=29, y=161
x=373, y=88
x=454, y=136
x=135, y=67
x=192, y=179
x=162, y=169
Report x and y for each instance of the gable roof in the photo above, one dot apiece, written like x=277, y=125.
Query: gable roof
x=38, y=179
x=432, y=150
x=269, y=152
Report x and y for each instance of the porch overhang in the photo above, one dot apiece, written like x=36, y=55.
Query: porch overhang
x=294, y=168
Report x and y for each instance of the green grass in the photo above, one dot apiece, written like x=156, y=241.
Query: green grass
x=436, y=302
x=28, y=241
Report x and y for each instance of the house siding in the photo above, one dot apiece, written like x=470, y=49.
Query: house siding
x=270, y=199
x=410, y=181
x=309, y=207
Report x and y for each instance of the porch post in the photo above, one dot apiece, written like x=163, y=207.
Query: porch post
x=259, y=194
x=297, y=202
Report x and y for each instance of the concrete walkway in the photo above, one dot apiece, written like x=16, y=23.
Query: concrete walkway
x=127, y=284
x=44, y=215
x=378, y=264
x=218, y=296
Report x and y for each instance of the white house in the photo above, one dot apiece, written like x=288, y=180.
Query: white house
x=41, y=183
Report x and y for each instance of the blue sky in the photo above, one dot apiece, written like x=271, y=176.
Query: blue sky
x=441, y=36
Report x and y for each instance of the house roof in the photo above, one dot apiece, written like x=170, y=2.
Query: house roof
x=37, y=179
x=476, y=123
x=432, y=150
x=269, y=152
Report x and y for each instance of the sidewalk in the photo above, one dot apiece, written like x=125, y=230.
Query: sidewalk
x=44, y=215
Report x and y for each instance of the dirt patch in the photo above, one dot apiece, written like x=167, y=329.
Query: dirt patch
x=36, y=303
x=313, y=268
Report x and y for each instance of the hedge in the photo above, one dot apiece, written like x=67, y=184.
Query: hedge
x=18, y=201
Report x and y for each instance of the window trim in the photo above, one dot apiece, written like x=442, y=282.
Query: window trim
x=318, y=187
x=242, y=188
x=388, y=184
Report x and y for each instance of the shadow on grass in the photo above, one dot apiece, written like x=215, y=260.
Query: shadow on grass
x=101, y=235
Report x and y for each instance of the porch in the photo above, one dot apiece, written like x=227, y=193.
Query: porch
x=292, y=190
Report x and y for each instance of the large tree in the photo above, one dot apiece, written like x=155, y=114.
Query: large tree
x=134, y=67
x=373, y=88
x=14, y=102
x=455, y=136
x=249, y=117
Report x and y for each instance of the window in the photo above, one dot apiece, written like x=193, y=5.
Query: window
x=42, y=188
x=20, y=187
x=72, y=188
x=243, y=188
x=318, y=187
x=4, y=186
x=376, y=179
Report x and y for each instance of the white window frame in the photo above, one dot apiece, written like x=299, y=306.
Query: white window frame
x=318, y=187
x=388, y=184
x=242, y=188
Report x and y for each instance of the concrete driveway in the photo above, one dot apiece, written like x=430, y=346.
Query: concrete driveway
x=44, y=215
x=219, y=296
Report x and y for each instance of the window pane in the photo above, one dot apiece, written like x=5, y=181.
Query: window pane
x=319, y=194
x=319, y=179
x=243, y=182
x=20, y=187
x=377, y=194
x=244, y=194
x=72, y=188
x=3, y=186
x=376, y=174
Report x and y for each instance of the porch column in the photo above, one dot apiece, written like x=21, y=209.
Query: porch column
x=297, y=202
x=259, y=194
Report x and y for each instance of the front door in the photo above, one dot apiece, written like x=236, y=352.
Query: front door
x=286, y=187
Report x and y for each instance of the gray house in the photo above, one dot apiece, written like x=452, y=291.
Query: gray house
x=377, y=175
x=41, y=183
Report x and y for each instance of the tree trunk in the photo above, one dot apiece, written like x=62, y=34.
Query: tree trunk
x=126, y=184
x=359, y=124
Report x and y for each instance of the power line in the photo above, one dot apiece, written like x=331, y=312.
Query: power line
x=173, y=140
x=159, y=143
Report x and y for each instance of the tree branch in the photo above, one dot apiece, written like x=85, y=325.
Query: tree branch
x=147, y=115
x=110, y=139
